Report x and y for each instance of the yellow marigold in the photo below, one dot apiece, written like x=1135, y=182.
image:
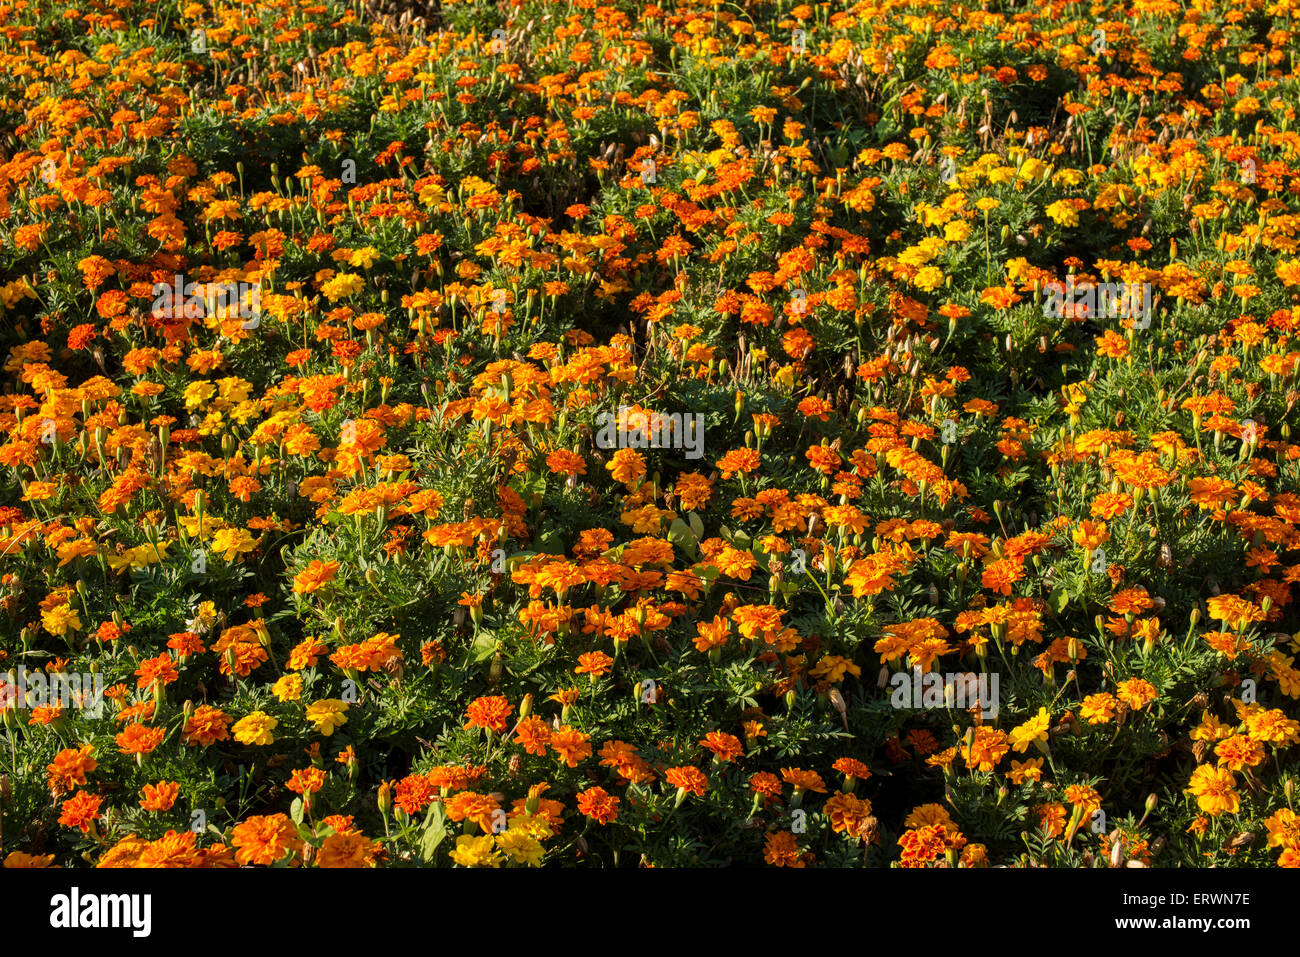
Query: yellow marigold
x=60, y=619
x=327, y=715
x=255, y=728
x=476, y=851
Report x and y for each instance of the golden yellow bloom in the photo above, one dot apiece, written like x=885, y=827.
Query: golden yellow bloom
x=288, y=688
x=60, y=619
x=327, y=715
x=1033, y=731
x=476, y=851
x=255, y=728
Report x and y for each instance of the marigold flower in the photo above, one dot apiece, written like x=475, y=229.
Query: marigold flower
x=255, y=729
x=491, y=713
x=265, y=840
x=597, y=804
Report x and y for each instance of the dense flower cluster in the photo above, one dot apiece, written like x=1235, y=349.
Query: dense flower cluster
x=312, y=316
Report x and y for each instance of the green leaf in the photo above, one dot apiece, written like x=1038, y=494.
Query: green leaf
x=484, y=647
x=680, y=534
x=433, y=831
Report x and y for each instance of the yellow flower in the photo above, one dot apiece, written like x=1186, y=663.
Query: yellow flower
x=956, y=231
x=532, y=825
x=255, y=728
x=206, y=614
x=476, y=851
x=327, y=715
x=364, y=257
x=288, y=688
x=1031, y=769
x=60, y=619
x=1033, y=731
x=1091, y=535
x=1064, y=213
x=198, y=393
x=343, y=285
x=1288, y=271
x=230, y=543
x=138, y=557
x=522, y=847
x=1032, y=169
x=834, y=667
x=928, y=278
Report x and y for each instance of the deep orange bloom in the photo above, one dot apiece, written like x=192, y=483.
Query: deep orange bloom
x=491, y=713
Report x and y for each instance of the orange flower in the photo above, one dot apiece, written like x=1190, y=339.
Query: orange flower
x=1001, y=575
x=852, y=768
x=564, y=462
x=687, y=780
x=139, y=739
x=781, y=849
x=570, y=745
x=80, y=811
x=265, y=840
x=314, y=576
x=725, y=747
x=348, y=848
x=533, y=735
x=160, y=669
x=598, y=805
x=712, y=634
x=803, y=780
x=627, y=466
x=306, y=780
x=491, y=713
x=743, y=461
x=70, y=767
x=207, y=725
x=594, y=663
x=160, y=796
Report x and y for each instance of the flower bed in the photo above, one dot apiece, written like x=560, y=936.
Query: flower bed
x=649, y=435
